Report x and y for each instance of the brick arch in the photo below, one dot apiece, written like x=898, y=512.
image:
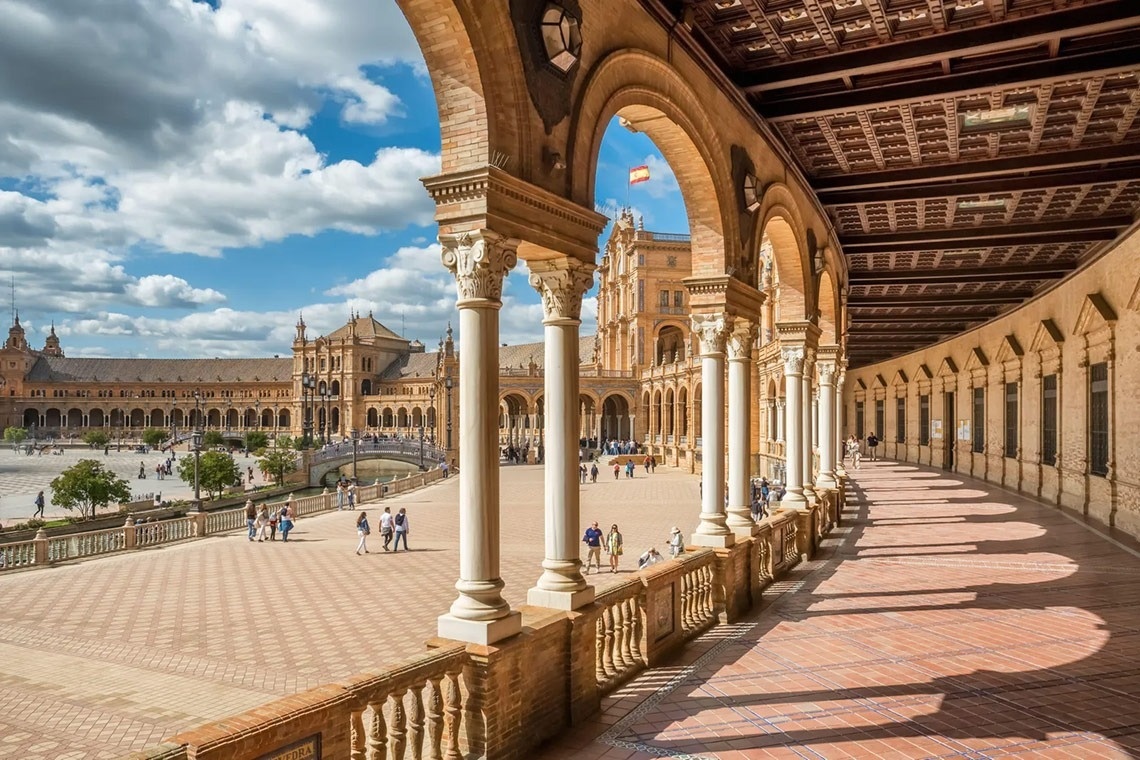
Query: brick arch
x=829, y=311
x=479, y=103
x=650, y=93
x=783, y=225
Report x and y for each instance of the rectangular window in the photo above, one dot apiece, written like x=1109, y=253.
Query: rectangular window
x=979, y=434
x=641, y=295
x=859, y=420
x=1011, y=420
x=1098, y=419
x=924, y=420
x=880, y=417
x=900, y=419
x=1049, y=420
x=679, y=299
x=664, y=299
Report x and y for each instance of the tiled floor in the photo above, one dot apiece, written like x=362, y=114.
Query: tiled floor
x=945, y=619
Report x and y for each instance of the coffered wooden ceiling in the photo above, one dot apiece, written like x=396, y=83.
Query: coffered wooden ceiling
x=968, y=152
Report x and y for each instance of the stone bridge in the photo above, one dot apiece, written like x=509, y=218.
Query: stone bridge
x=337, y=455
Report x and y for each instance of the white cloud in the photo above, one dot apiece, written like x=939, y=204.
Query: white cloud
x=662, y=182
x=169, y=291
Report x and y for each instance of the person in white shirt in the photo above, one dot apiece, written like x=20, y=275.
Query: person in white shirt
x=676, y=543
x=386, y=526
x=651, y=557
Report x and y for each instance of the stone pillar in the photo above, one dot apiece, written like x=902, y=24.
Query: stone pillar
x=837, y=437
x=805, y=422
x=827, y=436
x=739, y=427
x=781, y=418
x=631, y=436
x=479, y=260
x=561, y=283
x=793, y=357
x=712, y=330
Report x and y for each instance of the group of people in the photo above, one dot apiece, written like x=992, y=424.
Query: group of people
x=614, y=545
x=852, y=449
x=263, y=524
x=346, y=494
x=391, y=526
x=614, y=447
x=162, y=470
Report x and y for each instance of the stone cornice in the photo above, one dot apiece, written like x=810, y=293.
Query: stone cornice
x=725, y=293
x=803, y=333
x=491, y=198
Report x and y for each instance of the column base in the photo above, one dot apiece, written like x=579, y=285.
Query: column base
x=825, y=483
x=560, y=600
x=719, y=541
x=793, y=500
x=479, y=631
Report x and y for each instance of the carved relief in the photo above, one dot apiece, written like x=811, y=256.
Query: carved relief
x=712, y=331
x=741, y=339
x=827, y=371
x=479, y=262
x=561, y=286
x=793, y=359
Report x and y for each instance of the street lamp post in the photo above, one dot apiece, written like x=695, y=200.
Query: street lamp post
x=308, y=382
x=324, y=404
x=355, y=438
x=257, y=414
x=197, y=440
x=421, y=448
x=447, y=382
x=431, y=395
x=173, y=424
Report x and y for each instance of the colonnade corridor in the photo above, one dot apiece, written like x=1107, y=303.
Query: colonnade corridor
x=943, y=618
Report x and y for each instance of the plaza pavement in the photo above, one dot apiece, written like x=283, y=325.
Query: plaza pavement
x=118, y=653
x=945, y=619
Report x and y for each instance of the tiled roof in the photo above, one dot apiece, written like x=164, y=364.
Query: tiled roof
x=63, y=370
x=366, y=327
x=411, y=365
x=521, y=355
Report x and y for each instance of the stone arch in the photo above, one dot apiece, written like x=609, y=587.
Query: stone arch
x=334, y=388
x=671, y=343
x=97, y=418
x=366, y=387
x=31, y=418
x=387, y=417
x=137, y=419
x=157, y=418
x=683, y=410
x=283, y=419
x=650, y=94
x=266, y=419
x=783, y=228
x=373, y=419
x=830, y=313
x=670, y=402
x=74, y=417
x=479, y=110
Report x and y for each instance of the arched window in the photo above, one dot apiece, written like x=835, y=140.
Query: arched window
x=366, y=388
x=334, y=389
x=372, y=418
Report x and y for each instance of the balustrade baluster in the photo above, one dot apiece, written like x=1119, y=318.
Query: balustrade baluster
x=600, y=647
x=454, y=714
x=619, y=637
x=434, y=718
x=356, y=735
x=416, y=723
x=626, y=635
x=397, y=728
x=687, y=592
x=707, y=587
x=635, y=629
x=608, y=650
x=377, y=733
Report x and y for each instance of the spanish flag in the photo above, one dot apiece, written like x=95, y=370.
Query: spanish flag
x=638, y=174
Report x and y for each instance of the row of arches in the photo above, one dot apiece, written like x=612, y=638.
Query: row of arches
x=54, y=418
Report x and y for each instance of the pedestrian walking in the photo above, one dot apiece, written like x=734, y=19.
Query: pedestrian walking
x=647, y=464
x=340, y=494
x=386, y=527
x=362, y=530
x=592, y=538
x=614, y=547
x=629, y=468
x=39, y=505
x=617, y=470
x=273, y=525
x=676, y=542
x=593, y=472
x=285, y=521
x=251, y=518
x=351, y=495
x=652, y=463
x=401, y=523
x=872, y=446
x=582, y=472
x=262, y=522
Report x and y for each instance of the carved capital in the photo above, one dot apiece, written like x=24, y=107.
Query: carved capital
x=561, y=284
x=712, y=331
x=827, y=371
x=793, y=358
x=479, y=260
x=741, y=339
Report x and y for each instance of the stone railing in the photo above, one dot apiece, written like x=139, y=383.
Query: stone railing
x=43, y=550
x=473, y=701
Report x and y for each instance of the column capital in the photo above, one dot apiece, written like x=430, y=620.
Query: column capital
x=793, y=359
x=561, y=283
x=479, y=260
x=712, y=331
x=741, y=339
x=827, y=370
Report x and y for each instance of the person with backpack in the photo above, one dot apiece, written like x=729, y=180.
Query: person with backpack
x=593, y=472
x=285, y=521
x=401, y=522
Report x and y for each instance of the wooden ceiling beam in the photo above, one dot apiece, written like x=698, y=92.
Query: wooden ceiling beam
x=989, y=167
x=951, y=275
x=852, y=332
x=1108, y=16
x=989, y=186
x=934, y=300
x=1074, y=231
x=1099, y=63
x=956, y=319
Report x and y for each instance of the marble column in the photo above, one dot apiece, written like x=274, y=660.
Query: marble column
x=561, y=283
x=479, y=260
x=805, y=422
x=827, y=436
x=740, y=342
x=837, y=438
x=631, y=435
x=712, y=330
x=781, y=418
x=793, y=358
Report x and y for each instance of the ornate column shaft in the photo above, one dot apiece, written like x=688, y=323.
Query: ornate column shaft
x=479, y=260
x=712, y=330
x=561, y=283
x=805, y=422
x=827, y=436
x=793, y=357
x=781, y=419
x=740, y=342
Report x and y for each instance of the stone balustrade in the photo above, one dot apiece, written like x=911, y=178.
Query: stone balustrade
x=43, y=551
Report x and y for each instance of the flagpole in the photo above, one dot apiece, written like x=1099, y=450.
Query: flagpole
x=628, y=175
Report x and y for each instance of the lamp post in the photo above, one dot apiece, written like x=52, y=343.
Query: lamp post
x=421, y=448
x=355, y=438
x=197, y=440
x=431, y=395
x=308, y=382
x=173, y=425
x=257, y=414
x=324, y=402
x=447, y=382
x=229, y=408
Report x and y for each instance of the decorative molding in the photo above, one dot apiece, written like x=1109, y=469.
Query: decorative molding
x=741, y=339
x=1009, y=350
x=925, y=373
x=712, y=331
x=726, y=293
x=479, y=260
x=793, y=359
x=1094, y=309
x=1134, y=301
x=561, y=284
x=879, y=381
x=900, y=378
x=977, y=359
x=827, y=370
x=1047, y=336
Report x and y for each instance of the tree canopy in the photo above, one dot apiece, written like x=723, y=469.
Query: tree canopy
x=88, y=486
x=15, y=435
x=256, y=440
x=278, y=463
x=153, y=436
x=213, y=438
x=96, y=439
x=216, y=471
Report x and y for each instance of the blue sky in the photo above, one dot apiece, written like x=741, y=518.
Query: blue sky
x=200, y=173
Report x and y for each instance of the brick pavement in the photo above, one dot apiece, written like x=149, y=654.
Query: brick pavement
x=117, y=653
x=945, y=619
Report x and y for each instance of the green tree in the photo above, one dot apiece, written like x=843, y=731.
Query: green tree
x=153, y=436
x=15, y=435
x=96, y=439
x=278, y=463
x=88, y=486
x=256, y=441
x=213, y=438
x=216, y=471
x=284, y=442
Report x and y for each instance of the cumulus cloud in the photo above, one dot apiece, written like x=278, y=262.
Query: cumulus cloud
x=662, y=182
x=168, y=291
